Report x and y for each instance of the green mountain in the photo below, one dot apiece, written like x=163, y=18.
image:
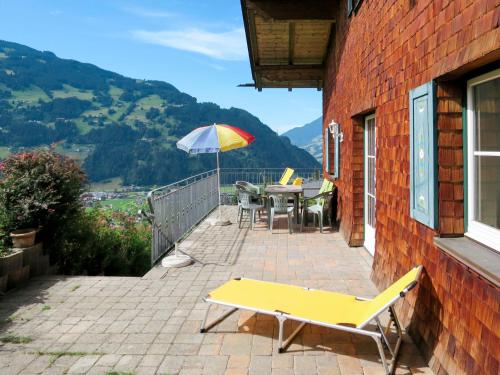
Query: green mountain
x=119, y=127
x=308, y=137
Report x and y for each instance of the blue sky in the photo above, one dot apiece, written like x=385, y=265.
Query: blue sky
x=197, y=45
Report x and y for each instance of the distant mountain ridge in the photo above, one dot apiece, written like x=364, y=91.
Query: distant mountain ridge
x=308, y=137
x=119, y=127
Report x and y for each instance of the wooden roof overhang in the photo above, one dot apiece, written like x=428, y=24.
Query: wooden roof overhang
x=288, y=41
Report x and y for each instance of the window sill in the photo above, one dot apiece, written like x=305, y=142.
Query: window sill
x=481, y=259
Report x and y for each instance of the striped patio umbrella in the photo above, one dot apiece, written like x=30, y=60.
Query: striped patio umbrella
x=214, y=139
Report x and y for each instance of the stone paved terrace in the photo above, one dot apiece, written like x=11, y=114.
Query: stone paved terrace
x=100, y=325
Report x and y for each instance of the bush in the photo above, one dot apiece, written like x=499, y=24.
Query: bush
x=112, y=244
x=42, y=189
x=39, y=189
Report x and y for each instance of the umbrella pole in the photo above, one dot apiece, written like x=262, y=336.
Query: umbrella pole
x=218, y=184
x=219, y=220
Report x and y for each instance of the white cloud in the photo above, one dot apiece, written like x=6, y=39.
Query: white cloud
x=148, y=13
x=217, y=67
x=227, y=45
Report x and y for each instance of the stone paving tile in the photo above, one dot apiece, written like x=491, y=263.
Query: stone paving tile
x=83, y=364
x=150, y=325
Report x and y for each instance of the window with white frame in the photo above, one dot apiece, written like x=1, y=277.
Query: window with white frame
x=483, y=154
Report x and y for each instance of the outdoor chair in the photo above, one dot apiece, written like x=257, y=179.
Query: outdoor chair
x=328, y=309
x=249, y=186
x=316, y=206
x=255, y=190
x=285, y=177
x=249, y=202
x=326, y=186
x=279, y=205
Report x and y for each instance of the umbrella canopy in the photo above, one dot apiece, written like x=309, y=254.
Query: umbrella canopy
x=214, y=138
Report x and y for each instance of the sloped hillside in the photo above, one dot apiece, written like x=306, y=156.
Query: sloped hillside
x=308, y=137
x=119, y=127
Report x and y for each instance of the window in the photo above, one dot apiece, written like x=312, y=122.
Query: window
x=483, y=159
x=352, y=5
x=423, y=172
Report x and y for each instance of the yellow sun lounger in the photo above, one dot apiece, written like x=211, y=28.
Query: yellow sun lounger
x=285, y=177
x=334, y=310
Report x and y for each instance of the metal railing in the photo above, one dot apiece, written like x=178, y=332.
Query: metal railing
x=178, y=207
x=263, y=176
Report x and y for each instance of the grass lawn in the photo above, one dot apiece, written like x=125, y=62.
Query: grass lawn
x=145, y=104
x=107, y=185
x=31, y=95
x=131, y=204
x=82, y=126
x=115, y=92
x=4, y=152
x=150, y=102
x=72, y=92
x=77, y=152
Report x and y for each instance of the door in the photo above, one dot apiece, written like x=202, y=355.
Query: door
x=370, y=179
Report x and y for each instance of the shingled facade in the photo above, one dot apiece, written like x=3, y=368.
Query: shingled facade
x=379, y=59
x=380, y=52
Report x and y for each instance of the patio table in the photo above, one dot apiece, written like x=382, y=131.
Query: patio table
x=311, y=188
x=294, y=190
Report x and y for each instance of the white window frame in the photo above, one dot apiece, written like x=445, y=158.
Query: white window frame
x=480, y=232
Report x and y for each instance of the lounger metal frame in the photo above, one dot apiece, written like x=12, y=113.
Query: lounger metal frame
x=379, y=337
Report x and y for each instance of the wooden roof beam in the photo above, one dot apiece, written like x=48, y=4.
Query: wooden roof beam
x=291, y=42
x=286, y=73
x=293, y=9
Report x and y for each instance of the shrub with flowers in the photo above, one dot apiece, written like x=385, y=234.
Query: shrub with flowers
x=39, y=189
x=42, y=189
x=4, y=248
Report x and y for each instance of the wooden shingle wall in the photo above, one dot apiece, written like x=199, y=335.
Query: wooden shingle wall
x=378, y=55
x=450, y=158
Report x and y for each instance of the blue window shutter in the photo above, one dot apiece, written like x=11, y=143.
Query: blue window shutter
x=423, y=145
x=327, y=150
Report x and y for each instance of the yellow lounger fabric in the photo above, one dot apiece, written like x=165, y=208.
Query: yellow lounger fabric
x=287, y=174
x=307, y=304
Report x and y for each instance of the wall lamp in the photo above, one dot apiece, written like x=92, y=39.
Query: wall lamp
x=335, y=131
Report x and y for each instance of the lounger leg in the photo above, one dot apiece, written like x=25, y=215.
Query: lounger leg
x=283, y=345
x=400, y=338
x=252, y=219
x=292, y=336
x=381, y=339
x=205, y=327
x=204, y=322
x=384, y=337
x=281, y=323
x=380, y=347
